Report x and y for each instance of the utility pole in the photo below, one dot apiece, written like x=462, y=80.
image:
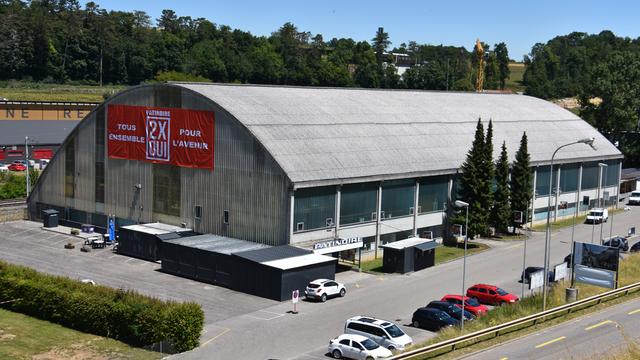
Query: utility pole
x=26, y=157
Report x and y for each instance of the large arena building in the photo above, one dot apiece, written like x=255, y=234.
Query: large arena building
x=306, y=166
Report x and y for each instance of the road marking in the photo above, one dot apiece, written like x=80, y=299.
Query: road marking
x=634, y=312
x=550, y=342
x=504, y=358
x=514, y=246
x=226, y=330
x=598, y=325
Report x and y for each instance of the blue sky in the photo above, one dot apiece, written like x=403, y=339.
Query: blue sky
x=520, y=24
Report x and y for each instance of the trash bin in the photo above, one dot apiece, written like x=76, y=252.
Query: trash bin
x=50, y=218
x=571, y=294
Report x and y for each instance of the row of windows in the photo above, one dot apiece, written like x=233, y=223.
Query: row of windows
x=315, y=207
x=569, y=177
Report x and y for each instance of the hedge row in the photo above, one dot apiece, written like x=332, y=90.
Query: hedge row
x=127, y=316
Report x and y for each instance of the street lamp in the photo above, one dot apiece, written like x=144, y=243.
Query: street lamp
x=459, y=203
x=547, y=239
x=604, y=180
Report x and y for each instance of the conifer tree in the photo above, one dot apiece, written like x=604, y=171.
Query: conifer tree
x=521, y=179
x=501, y=211
x=487, y=177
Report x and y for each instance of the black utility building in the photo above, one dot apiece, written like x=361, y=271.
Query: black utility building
x=408, y=255
x=144, y=240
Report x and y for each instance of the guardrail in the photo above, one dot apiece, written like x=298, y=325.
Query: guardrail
x=14, y=202
x=451, y=344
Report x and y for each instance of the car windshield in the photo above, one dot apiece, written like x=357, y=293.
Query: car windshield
x=501, y=292
x=394, y=331
x=595, y=213
x=635, y=194
x=314, y=286
x=443, y=315
x=472, y=302
x=369, y=344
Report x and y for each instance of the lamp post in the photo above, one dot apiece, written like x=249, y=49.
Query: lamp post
x=604, y=203
x=459, y=203
x=547, y=239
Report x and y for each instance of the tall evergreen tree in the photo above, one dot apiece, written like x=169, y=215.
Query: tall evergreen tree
x=502, y=55
x=521, y=179
x=487, y=177
x=501, y=211
x=472, y=185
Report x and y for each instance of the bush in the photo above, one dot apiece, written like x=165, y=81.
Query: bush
x=120, y=314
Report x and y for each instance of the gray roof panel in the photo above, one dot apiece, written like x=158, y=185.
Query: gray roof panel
x=335, y=135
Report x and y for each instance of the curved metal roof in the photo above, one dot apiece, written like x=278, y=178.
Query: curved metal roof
x=339, y=135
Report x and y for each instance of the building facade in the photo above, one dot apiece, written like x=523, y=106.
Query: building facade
x=290, y=165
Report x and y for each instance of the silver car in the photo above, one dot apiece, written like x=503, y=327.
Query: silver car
x=356, y=347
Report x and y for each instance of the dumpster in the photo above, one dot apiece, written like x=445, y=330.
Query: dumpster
x=50, y=218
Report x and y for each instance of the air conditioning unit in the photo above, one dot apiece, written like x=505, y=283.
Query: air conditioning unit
x=300, y=226
x=374, y=216
x=411, y=210
x=328, y=222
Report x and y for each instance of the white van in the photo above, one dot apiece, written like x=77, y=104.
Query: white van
x=634, y=199
x=385, y=333
x=597, y=216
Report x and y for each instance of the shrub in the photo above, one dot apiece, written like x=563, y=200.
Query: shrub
x=120, y=314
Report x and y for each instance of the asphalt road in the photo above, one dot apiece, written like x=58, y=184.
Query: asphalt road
x=272, y=333
x=588, y=337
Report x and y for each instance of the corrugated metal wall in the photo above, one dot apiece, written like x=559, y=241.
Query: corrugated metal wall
x=246, y=180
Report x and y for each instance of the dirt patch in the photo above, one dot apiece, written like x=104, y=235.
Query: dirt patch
x=6, y=336
x=74, y=352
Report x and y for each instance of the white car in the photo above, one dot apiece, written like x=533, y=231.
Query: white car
x=597, y=216
x=634, y=198
x=322, y=289
x=357, y=347
x=383, y=332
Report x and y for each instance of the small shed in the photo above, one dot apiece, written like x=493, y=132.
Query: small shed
x=204, y=258
x=144, y=240
x=275, y=272
x=408, y=255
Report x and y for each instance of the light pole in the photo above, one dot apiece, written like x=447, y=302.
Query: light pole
x=604, y=203
x=524, y=254
x=459, y=203
x=547, y=239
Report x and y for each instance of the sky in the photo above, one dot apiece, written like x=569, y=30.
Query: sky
x=520, y=24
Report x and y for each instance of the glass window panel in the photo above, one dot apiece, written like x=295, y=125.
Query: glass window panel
x=397, y=197
x=590, y=173
x=313, y=206
x=569, y=177
x=166, y=189
x=433, y=194
x=612, y=172
x=542, y=180
x=358, y=202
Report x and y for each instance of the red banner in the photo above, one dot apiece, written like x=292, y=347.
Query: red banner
x=161, y=135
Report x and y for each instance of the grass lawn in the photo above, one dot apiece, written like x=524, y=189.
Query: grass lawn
x=514, y=81
x=629, y=274
x=28, y=91
x=24, y=337
x=443, y=254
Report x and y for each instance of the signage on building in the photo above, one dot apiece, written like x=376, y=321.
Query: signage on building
x=335, y=245
x=161, y=135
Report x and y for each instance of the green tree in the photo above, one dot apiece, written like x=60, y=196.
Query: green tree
x=491, y=72
x=502, y=55
x=472, y=184
x=501, y=211
x=380, y=44
x=521, y=179
x=487, y=175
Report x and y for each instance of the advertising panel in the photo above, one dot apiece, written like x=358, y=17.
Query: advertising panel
x=173, y=136
x=560, y=271
x=597, y=256
x=597, y=277
x=536, y=280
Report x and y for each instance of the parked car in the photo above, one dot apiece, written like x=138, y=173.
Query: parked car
x=634, y=198
x=470, y=305
x=452, y=310
x=490, y=294
x=432, y=319
x=322, y=289
x=526, y=275
x=619, y=242
x=635, y=247
x=17, y=167
x=23, y=162
x=356, y=347
x=4, y=167
x=385, y=333
x=569, y=260
x=597, y=216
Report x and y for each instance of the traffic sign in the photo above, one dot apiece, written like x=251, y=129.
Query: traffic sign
x=295, y=296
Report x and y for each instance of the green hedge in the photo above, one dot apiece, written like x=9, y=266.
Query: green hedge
x=123, y=315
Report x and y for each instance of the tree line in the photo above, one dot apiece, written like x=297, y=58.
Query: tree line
x=59, y=41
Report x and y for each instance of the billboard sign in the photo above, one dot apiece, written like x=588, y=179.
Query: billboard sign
x=180, y=137
x=536, y=280
x=597, y=256
x=560, y=271
x=597, y=277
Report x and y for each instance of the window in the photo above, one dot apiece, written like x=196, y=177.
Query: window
x=542, y=180
x=198, y=212
x=226, y=216
x=70, y=168
x=358, y=203
x=433, y=194
x=166, y=189
x=357, y=345
x=569, y=177
x=314, y=206
x=376, y=331
x=484, y=291
x=491, y=292
x=397, y=197
x=345, y=342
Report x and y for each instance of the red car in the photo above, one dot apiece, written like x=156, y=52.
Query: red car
x=17, y=167
x=490, y=294
x=470, y=305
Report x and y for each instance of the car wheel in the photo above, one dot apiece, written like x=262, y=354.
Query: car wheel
x=323, y=298
x=336, y=354
x=415, y=323
x=343, y=292
x=369, y=358
x=501, y=303
x=391, y=348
